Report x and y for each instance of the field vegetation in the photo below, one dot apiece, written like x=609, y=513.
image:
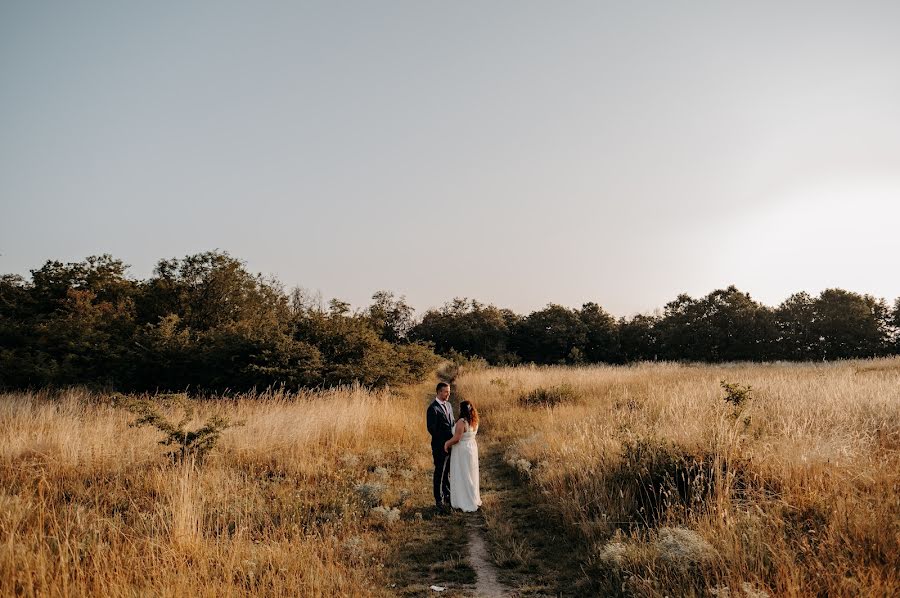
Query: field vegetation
x=307, y=494
x=646, y=480
x=734, y=480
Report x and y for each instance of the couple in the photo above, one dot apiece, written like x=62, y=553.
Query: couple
x=456, y=479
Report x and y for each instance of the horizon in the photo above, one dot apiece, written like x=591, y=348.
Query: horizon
x=317, y=294
x=516, y=153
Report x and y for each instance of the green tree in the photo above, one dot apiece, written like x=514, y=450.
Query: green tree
x=797, y=334
x=103, y=276
x=470, y=328
x=638, y=338
x=210, y=290
x=682, y=332
x=77, y=320
x=894, y=328
x=390, y=317
x=351, y=351
x=726, y=325
x=601, y=335
x=851, y=325
x=554, y=334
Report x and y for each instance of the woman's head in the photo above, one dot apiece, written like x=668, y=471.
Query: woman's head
x=468, y=412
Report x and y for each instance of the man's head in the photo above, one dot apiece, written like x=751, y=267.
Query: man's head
x=443, y=391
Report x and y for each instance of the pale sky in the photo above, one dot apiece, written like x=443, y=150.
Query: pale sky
x=515, y=152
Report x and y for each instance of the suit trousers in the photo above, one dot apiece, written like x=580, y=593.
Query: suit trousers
x=441, y=479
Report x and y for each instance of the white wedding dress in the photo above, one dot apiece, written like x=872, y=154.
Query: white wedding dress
x=465, y=490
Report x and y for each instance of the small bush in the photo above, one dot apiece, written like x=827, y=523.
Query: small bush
x=737, y=395
x=657, y=479
x=448, y=371
x=388, y=514
x=371, y=493
x=681, y=547
x=500, y=383
x=549, y=397
x=184, y=443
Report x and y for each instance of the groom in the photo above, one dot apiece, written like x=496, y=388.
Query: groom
x=439, y=418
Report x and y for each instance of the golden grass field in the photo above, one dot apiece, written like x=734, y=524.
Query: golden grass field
x=673, y=493
x=92, y=507
x=661, y=486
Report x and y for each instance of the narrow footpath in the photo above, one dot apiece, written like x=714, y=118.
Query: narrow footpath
x=487, y=583
x=531, y=552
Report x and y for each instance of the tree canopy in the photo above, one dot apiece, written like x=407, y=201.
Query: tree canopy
x=205, y=322
x=202, y=322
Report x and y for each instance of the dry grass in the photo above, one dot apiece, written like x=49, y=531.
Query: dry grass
x=282, y=506
x=680, y=493
x=667, y=488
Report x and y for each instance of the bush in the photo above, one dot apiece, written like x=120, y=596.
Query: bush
x=549, y=397
x=655, y=477
x=736, y=394
x=186, y=444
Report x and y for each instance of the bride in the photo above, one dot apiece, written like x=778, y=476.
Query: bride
x=465, y=490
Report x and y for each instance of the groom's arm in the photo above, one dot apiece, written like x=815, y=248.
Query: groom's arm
x=431, y=420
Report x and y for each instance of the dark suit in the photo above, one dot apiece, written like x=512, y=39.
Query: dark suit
x=440, y=426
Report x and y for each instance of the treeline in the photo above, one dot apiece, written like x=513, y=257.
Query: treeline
x=725, y=325
x=205, y=323
x=202, y=323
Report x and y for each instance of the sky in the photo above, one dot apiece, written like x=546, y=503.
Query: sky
x=515, y=152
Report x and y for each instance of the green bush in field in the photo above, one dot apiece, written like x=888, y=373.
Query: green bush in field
x=185, y=444
x=736, y=395
x=549, y=396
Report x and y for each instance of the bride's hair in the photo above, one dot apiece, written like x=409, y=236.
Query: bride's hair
x=468, y=412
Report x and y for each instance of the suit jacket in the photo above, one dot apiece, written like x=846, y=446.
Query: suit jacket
x=439, y=425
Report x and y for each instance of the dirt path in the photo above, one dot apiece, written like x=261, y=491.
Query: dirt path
x=532, y=554
x=487, y=584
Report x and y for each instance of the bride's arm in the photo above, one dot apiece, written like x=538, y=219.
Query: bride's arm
x=460, y=428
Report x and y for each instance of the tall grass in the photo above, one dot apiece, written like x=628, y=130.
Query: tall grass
x=677, y=492
x=669, y=489
x=90, y=506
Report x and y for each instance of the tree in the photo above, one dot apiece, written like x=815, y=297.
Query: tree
x=795, y=322
x=742, y=329
x=351, y=351
x=74, y=324
x=554, y=334
x=682, y=333
x=202, y=322
x=726, y=325
x=391, y=318
x=850, y=325
x=212, y=289
x=601, y=335
x=103, y=276
x=894, y=328
x=470, y=328
x=638, y=338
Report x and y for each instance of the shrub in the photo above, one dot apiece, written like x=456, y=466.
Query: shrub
x=736, y=394
x=738, y=397
x=657, y=479
x=371, y=493
x=185, y=444
x=549, y=397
